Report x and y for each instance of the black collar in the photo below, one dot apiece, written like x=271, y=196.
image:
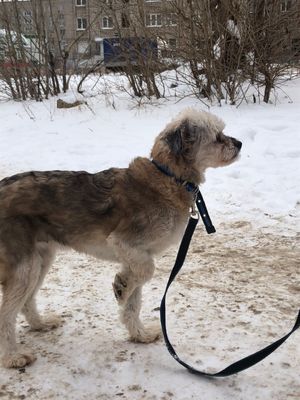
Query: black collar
x=189, y=186
x=192, y=188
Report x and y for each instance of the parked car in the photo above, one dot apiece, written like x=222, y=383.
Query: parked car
x=118, y=53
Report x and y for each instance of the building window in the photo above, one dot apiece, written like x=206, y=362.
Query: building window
x=107, y=23
x=27, y=15
x=125, y=21
x=285, y=5
x=81, y=24
x=83, y=47
x=172, y=43
x=63, y=44
x=61, y=20
x=296, y=46
x=153, y=20
x=80, y=3
x=171, y=20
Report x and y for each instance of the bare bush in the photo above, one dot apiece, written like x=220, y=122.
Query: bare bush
x=218, y=48
x=35, y=65
x=273, y=27
x=229, y=44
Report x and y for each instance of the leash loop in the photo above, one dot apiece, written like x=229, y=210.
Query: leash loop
x=237, y=366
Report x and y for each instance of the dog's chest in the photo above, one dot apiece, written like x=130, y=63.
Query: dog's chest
x=170, y=233
x=96, y=246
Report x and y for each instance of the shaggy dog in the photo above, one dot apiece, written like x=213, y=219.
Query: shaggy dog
x=127, y=215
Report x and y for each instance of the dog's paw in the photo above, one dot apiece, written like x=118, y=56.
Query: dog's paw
x=146, y=335
x=18, y=360
x=120, y=289
x=47, y=323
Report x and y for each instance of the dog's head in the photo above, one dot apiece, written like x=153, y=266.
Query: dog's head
x=195, y=140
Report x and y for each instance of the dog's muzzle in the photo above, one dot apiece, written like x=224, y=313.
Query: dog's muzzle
x=237, y=143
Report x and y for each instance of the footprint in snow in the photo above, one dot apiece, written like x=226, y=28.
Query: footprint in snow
x=251, y=134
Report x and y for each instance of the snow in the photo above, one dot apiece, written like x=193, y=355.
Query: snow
x=238, y=291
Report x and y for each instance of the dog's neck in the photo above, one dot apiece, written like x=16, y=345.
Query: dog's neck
x=189, y=186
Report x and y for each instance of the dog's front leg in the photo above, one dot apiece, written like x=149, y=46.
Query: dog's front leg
x=129, y=314
x=137, y=268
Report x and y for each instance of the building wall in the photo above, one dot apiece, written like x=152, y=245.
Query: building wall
x=77, y=25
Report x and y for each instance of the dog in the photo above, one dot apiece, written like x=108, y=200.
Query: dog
x=127, y=215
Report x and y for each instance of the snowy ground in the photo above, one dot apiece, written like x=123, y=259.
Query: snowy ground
x=239, y=289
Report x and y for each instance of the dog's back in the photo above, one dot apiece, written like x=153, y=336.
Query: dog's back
x=39, y=193
x=46, y=207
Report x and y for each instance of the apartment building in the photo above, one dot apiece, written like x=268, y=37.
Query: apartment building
x=79, y=26
x=96, y=20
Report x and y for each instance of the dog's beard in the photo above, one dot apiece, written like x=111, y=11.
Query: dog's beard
x=235, y=157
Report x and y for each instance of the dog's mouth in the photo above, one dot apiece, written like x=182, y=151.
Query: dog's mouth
x=237, y=147
x=238, y=151
x=237, y=156
x=233, y=155
x=237, y=143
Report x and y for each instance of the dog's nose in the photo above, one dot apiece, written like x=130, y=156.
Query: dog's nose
x=237, y=143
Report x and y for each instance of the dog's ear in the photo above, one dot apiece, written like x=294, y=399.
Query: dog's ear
x=174, y=140
x=183, y=138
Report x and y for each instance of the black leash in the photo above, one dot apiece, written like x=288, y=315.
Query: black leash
x=242, y=364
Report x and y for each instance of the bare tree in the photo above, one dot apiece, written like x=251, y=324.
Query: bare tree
x=218, y=47
x=36, y=67
x=273, y=25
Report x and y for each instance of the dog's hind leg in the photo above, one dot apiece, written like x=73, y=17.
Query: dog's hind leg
x=47, y=252
x=16, y=289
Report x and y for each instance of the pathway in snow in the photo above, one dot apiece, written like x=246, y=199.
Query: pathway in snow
x=238, y=291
